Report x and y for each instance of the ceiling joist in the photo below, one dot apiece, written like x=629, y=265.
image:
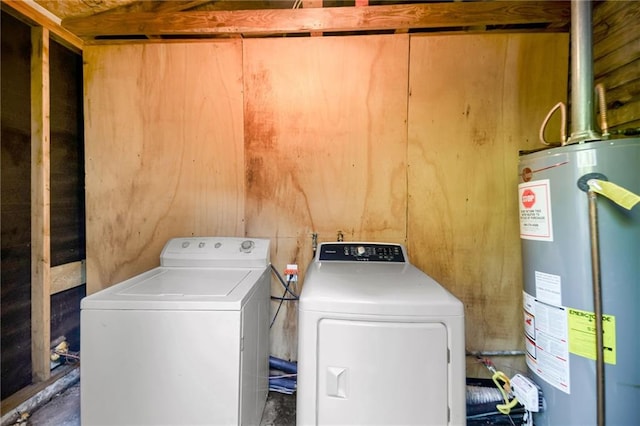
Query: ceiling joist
x=25, y=11
x=155, y=6
x=331, y=19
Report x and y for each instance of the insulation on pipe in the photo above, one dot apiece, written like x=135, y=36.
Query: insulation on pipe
x=282, y=365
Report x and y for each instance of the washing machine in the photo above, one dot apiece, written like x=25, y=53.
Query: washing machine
x=379, y=341
x=185, y=343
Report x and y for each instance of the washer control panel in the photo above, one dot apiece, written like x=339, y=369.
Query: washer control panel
x=215, y=252
x=366, y=252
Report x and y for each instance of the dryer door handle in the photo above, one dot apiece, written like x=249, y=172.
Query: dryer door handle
x=337, y=382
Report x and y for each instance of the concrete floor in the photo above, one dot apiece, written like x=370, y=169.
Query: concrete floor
x=64, y=410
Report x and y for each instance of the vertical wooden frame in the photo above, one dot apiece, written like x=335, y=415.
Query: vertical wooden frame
x=40, y=205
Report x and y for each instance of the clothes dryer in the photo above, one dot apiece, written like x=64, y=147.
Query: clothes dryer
x=184, y=343
x=379, y=342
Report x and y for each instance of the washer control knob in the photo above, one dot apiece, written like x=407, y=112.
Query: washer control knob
x=360, y=250
x=246, y=246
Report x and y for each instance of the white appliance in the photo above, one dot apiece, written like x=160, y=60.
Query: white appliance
x=379, y=341
x=185, y=343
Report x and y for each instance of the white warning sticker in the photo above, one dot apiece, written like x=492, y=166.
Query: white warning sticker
x=546, y=342
x=549, y=288
x=535, y=210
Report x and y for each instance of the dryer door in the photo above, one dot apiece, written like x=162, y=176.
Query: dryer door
x=376, y=372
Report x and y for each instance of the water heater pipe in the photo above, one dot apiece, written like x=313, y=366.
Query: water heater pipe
x=582, y=106
x=597, y=303
x=583, y=184
x=563, y=124
x=602, y=108
x=514, y=352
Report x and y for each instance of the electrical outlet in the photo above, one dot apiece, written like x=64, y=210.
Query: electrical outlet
x=291, y=272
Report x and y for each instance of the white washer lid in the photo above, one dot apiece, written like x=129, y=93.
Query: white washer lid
x=187, y=282
x=370, y=288
x=179, y=289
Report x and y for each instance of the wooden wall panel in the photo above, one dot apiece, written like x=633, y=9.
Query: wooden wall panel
x=284, y=316
x=40, y=100
x=475, y=101
x=616, y=55
x=15, y=208
x=325, y=140
x=164, y=152
x=67, y=157
x=65, y=316
x=323, y=146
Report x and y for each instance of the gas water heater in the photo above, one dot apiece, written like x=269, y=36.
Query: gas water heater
x=580, y=235
x=559, y=319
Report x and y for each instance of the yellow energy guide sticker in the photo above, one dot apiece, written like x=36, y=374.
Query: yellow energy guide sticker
x=582, y=335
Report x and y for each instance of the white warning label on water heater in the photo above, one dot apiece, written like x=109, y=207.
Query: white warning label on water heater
x=535, y=210
x=546, y=338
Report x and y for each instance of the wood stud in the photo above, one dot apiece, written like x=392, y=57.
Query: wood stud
x=40, y=205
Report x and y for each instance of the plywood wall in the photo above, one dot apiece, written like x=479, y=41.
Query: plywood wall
x=164, y=151
x=325, y=141
x=396, y=138
x=475, y=101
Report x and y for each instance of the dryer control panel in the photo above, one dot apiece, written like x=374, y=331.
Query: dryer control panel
x=366, y=252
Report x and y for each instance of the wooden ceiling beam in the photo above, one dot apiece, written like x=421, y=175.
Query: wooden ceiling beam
x=308, y=4
x=156, y=6
x=26, y=12
x=329, y=19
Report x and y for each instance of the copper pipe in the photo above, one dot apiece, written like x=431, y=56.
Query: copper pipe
x=602, y=103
